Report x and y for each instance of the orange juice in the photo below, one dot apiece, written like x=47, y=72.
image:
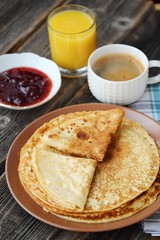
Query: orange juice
x=72, y=38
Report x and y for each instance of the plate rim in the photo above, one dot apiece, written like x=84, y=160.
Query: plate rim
x=67, y=224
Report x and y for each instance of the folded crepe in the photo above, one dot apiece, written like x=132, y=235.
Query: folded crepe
x=66, y=180
x=84, y=134
x=61, y=181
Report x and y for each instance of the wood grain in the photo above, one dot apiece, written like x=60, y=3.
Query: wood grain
x=23, y=28
x=19, y=19
x=16, y=223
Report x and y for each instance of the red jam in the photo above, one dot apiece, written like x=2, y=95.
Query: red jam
x=24, y=86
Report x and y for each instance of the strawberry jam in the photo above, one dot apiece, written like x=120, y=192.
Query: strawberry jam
x=24, y=86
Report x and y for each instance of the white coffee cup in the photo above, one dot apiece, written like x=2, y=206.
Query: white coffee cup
x=120, y=92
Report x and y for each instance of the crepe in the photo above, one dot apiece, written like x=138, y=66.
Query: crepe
x=127, y=172
x=63, y=182
x=129, y=168
x=65, y=179
x=132, y=207
x=84, y=134
x=125, y=210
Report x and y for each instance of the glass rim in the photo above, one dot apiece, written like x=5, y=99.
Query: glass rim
x=67, y=6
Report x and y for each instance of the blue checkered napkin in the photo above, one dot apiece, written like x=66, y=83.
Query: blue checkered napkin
x=149, y=103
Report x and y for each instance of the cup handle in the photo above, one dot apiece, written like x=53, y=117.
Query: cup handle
x=155, y=79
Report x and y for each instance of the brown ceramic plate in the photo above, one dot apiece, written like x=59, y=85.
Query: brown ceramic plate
x=35, y=210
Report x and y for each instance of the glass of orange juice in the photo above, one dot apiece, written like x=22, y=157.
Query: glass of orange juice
x=72, y=34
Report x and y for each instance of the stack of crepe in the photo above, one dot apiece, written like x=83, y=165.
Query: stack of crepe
x=91, y=167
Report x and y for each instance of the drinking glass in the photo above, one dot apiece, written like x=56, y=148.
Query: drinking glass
x=72, y=38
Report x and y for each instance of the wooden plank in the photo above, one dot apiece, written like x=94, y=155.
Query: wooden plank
x=117, y=19
x=38, y=43
x=149, y=44
x=112, y=26
x=16, y=223
x=19, y=19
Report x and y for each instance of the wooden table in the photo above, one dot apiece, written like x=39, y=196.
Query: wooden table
x=23, y=29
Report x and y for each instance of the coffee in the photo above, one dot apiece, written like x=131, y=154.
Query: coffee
x=118, y=67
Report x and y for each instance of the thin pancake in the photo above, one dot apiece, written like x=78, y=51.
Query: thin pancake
x=140, y=202
x=65, y=179
x=137, y=204
x=79, y=133
x=125, y=140
x=129, y=168
x=54, y=190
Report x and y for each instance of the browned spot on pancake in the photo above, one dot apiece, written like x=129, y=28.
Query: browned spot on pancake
x=119, y=149
x=52, y=135
x=82, y=135
x=72, y=124
x=111, y=135
x=84, y=120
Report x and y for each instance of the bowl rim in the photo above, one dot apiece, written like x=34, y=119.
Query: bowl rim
x=54, y=74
